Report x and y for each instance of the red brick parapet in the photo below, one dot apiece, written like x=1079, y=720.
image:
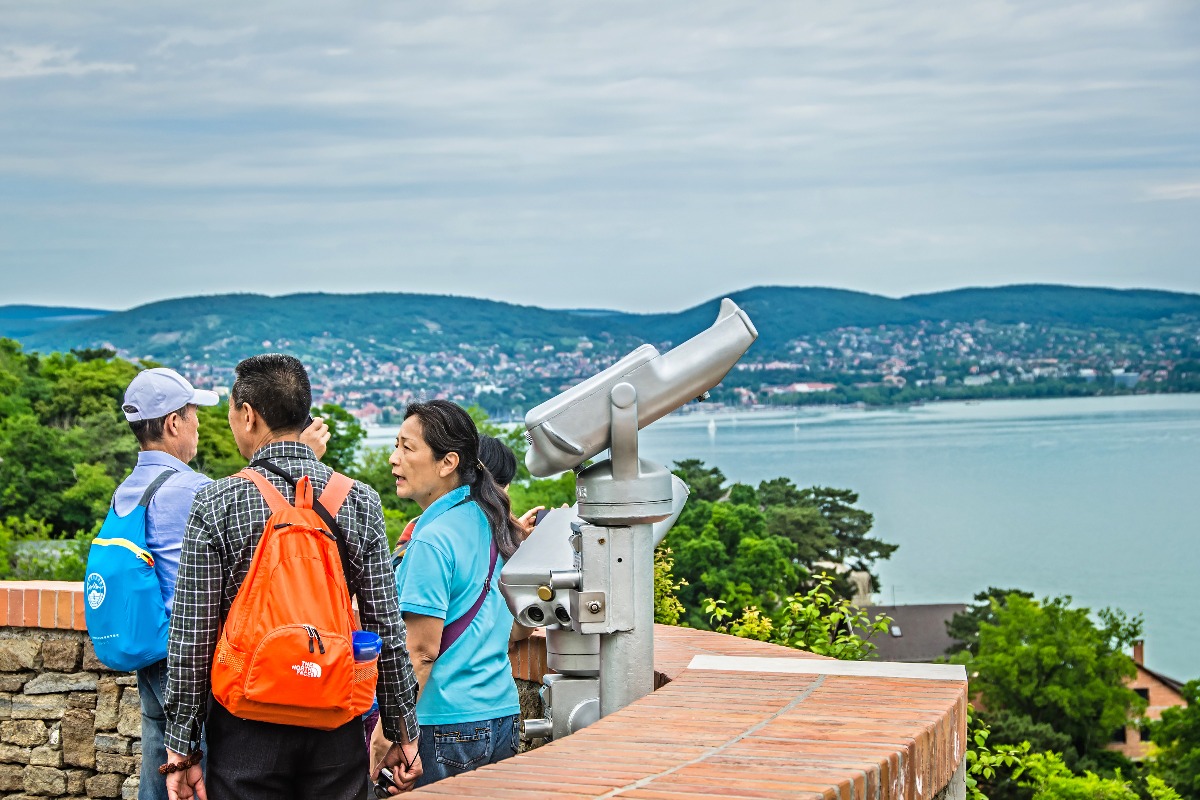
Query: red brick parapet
x=54, y=605
x=730, y=722
x=732, y=718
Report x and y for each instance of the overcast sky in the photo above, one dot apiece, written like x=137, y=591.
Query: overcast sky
x=634, y=155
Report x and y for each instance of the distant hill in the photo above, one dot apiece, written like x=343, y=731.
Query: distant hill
x=1121, y=310
x=229, y=327
x=17, y=322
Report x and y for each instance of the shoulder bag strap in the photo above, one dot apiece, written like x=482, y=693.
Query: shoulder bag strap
x=340, y=487
x=336, y=490
x=154, y=486
x=454, y=630
x=148, y=495
x=275, y=500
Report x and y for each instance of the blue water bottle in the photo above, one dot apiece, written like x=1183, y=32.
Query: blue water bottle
x=367, y=646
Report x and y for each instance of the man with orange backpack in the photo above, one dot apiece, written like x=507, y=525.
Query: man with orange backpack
x=130, y=577
x=271, y=557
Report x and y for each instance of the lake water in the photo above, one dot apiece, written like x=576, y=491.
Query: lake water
x=1087, y=497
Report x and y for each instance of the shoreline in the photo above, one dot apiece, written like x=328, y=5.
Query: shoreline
x=378, y=435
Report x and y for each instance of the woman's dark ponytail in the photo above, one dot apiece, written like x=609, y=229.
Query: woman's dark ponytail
x=447, y=428
x=498, y=510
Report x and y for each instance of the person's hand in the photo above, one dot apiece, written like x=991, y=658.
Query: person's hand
x=316, y=436
x=529, y=519
x=379, y=747
x=404, y=761
x=185, y=784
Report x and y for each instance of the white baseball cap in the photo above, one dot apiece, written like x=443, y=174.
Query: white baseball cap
x=157, y=392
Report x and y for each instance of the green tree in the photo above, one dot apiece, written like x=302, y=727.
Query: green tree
x=373, y=469
x=1050, y=779
x=699, y=560
x=35, y=468
x=1158, y=789
x=1177, y=736
x=804, y=526
x=217, y=455
x=704, y=482
x=779, y=492
x=346, y=433
x=991, y=764
x=850, y=526
x=817, y=621
x=963, y=627
x=766, y=563
x=511, y=435
x=75, y=389
x=1053, y=664
x=547, y=492
x=742, y=495
x=749, y=546
x=667, y=608
x=86, y=503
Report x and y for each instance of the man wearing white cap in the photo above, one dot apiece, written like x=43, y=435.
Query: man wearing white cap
x=161, y=408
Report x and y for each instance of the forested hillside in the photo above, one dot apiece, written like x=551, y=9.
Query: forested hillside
x=374, y=353
x=236, y=325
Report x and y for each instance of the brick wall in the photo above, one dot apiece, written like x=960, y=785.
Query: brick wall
x=1159, y=696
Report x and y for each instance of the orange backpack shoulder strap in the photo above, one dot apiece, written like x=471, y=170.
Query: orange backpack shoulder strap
x=336, y=490
x=275, y=500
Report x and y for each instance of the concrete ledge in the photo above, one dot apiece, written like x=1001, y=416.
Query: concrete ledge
x=861, y=669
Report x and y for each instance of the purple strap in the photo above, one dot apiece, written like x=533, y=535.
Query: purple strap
x=451, y=632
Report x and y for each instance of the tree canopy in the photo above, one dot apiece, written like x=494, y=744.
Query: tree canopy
x=1056, y=665
x=1177, y=735
x=747, y=546
x=963, y=627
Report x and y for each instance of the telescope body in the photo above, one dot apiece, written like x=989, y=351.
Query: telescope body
x=586, y=573
x=569, y=429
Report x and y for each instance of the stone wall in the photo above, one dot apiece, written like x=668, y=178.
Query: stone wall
x=68, y=726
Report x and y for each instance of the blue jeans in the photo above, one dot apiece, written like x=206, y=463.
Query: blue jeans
x=448, y=750
x=152, y=682
x=152, y=685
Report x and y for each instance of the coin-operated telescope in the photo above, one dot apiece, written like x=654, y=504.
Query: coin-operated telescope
x=587, y=573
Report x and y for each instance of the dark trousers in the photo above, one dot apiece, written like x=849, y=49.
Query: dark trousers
x=250, y=760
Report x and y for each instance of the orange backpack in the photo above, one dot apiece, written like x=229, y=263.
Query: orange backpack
x=285, y=655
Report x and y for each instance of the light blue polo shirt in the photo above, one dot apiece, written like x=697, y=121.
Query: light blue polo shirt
x=166, y=517
x=441, y=576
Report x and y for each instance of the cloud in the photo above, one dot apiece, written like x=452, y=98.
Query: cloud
x=35, y=61
x=1174, y=191
x=501, y=142
x=199, y=38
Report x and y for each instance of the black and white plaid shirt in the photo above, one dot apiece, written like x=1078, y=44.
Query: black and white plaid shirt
x=223, y=530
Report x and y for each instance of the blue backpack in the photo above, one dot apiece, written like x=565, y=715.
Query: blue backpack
x=123, y=605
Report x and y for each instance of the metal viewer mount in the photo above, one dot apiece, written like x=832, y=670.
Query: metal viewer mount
x=587, y=573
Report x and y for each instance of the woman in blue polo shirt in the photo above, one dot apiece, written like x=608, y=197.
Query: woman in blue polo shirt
x=458, y=631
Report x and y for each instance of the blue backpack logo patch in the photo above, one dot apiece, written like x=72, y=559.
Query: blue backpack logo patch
x=124, y=609
x=94, y=590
